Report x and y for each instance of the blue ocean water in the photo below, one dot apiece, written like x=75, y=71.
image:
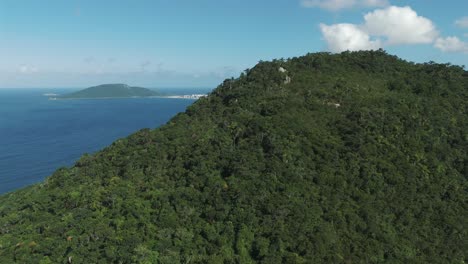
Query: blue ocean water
x=38, y=136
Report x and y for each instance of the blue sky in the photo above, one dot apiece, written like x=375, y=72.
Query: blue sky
x=162, y=43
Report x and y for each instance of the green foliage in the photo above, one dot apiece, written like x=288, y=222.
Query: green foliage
x=360, y=158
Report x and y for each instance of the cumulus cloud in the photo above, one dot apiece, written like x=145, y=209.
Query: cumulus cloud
x=451, y=44
x=462, y=22
x=400, y=25
x=392, y=25
x=341, y=37
x=335, y=5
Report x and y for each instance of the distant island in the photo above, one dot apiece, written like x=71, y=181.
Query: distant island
x=109, y=91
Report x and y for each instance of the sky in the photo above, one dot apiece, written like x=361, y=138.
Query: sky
x=186, y=43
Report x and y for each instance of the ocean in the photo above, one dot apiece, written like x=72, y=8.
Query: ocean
x=38, y=136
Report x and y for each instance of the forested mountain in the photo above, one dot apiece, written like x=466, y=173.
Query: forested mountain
x=110, y=91
x=358, y=157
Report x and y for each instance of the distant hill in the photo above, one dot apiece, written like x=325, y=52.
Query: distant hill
x=110, y=91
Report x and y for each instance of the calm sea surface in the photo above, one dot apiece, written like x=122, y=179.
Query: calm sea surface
x=38, y=136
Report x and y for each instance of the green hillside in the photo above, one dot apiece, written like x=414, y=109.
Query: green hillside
x=350, y=158
x=110, y=91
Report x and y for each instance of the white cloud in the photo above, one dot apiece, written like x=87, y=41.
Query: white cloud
x=400, y=25
x=392, y=25
x=451, y=44
x=462, y=22
x=27, y=69
x=335, y=5
x=342, y=37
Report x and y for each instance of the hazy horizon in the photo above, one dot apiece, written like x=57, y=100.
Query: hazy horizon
x=185, y=44
x=72, y=88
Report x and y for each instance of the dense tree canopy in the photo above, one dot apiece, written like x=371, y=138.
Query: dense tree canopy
x=357, y=157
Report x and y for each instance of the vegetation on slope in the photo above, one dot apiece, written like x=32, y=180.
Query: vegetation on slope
x=110, y=91
x=355, y=158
